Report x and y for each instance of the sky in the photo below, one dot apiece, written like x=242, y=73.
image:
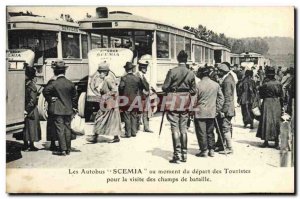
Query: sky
x=236, y=22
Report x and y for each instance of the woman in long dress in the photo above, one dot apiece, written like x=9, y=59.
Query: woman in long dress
x=32, y=130
x=108, y=120
x=247, y=90
x=269, y=125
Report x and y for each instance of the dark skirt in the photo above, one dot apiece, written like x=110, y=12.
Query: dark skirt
x=32, y=130
x=247, y=113
x=269, y=124
x=108, y=122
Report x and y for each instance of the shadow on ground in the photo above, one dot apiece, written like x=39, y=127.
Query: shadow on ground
x=13, y=151
x=161, y=153
x=252, y=143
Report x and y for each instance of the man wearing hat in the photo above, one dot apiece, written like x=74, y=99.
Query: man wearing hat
x=209, y=101
x=227, y=111
x=63, y=96
x=131, y=86
x=143, y=65
x=179, y=82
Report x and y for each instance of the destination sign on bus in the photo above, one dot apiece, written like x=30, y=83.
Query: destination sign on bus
x=24, y=55
x=115, y=57
x=70, y=29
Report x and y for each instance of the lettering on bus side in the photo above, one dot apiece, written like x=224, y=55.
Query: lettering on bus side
x=69, y=29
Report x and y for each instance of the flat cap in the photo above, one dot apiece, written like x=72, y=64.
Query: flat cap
x=223, y=67
x=58, y=64
x=103, y=66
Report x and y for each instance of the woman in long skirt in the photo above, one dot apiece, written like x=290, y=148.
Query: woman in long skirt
x=108, y=120
x=32, y=130
x=247, y=92
x=269, y=125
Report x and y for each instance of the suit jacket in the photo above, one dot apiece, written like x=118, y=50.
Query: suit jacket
x=209, y=99
x=66, y=94
x=228, y=86
x=174, y=77
x=131, y=87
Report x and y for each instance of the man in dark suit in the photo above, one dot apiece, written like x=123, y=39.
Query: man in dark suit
x=63, y=97
x=227, y=111
x=209, y=101
x=130, y=87
x=143, y=65
x=179, y=82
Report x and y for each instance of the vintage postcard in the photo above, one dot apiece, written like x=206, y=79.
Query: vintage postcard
x=110, y=100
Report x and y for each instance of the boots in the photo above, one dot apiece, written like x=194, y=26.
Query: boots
x=176, y=147
x=183, y=140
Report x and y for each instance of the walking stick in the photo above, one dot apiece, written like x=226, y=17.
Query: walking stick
x=219, y=132
x=162, y=121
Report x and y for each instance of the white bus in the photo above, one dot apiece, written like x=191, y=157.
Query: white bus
x=50, y=39
x=118, y=29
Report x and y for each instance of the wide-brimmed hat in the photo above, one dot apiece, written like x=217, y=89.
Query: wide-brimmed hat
x=58, y=65
x=223, y=67
x=270, y=71
x=30, y=72
x=128, y=66
x=103, y=66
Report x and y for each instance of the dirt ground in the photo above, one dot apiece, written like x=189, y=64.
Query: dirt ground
x=145, y=150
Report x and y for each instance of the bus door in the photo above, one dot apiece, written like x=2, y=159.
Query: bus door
x=15, y=96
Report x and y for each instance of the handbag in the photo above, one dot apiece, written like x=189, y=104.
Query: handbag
x=256, y=112
x=77, y=125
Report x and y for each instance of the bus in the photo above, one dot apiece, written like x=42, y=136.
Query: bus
x=250, y=59
x=143, y=36
x=15, y=92
x=50, y=39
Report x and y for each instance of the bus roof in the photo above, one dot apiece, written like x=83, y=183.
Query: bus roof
x=148, y=24
x=41, y=20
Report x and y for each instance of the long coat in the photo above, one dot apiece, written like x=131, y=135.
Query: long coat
x=131, y=86
x=66, y=94
x=108, y=122
x=247, y=90
x=269, y=124
x=228, y=87
x=32, y=130
x=210, y=99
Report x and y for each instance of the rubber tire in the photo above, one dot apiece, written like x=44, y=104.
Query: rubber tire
x=81, y=104
x=42, y=107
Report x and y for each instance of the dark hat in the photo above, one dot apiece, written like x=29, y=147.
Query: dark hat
x=103, y=66
x=128, y=66
x=182, y=56
x=30, y=72
x=270, y=71
x=203, y=70
x=58, y=65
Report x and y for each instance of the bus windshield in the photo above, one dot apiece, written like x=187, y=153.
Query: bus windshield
x=42, y=43
x=139, y=41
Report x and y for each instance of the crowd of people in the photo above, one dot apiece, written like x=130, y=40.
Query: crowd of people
x=216, y=92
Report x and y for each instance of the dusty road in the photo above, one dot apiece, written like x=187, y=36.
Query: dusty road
x=147, y=150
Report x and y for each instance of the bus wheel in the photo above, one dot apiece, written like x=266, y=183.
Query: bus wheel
x=42, y=107
x=81, y=104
